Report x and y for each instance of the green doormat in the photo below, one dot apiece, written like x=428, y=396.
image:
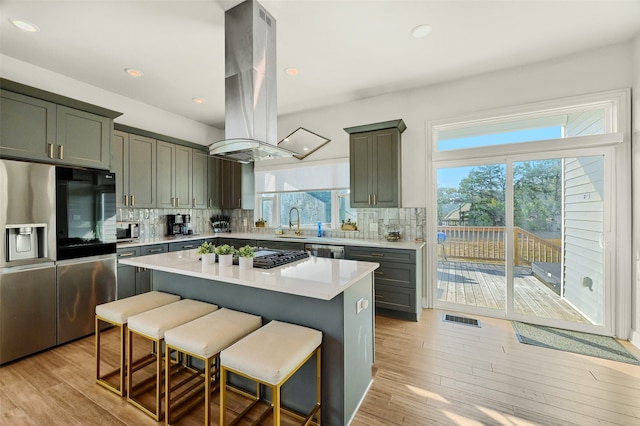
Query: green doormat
x=573, y=341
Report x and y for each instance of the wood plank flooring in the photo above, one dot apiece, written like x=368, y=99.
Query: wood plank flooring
x=483, y=285
x=426, y=373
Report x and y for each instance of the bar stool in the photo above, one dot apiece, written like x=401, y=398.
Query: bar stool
x=270, y=356
x=151, y=325
x=117, y=314
x=202, y=339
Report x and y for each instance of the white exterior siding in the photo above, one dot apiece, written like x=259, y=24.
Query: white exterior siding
x=583, y=230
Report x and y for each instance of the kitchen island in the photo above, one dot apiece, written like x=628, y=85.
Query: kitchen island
x=330, y=295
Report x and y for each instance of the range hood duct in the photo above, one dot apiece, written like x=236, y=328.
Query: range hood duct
x=251, y=108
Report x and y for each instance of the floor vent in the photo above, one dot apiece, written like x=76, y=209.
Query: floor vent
x=461, y=320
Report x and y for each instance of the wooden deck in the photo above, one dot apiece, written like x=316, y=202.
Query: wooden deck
x=483, y=285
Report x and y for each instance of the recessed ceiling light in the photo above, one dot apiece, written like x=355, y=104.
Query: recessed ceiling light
x=24, y=25
x=198, y=100
x=133, y=73
x=292, y=71
x=421, y=31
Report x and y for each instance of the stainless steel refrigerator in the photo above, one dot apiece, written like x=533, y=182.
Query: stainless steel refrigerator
x=27, y=259
x=57, y=254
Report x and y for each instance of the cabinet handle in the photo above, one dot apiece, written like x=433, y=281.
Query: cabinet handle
x=210, y=202
x=379, y=296
x=377, y=254
x=60, y=152
x=158, y=250
x=126, y=200
x=178, y=202
x=374, y=199
x=50, y=149
x=369, y=201
x=189, y=246
x=125, y=254
x=133, y=200
x=378, y=273
x=239, y=202
x=195, y=202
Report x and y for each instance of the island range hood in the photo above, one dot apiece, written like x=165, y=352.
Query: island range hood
x=251, y=109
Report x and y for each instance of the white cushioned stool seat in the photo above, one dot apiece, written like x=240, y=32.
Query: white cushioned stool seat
x=202, y=338
x=155, y=322
x=272, y=352
x=152, y=325
x=117, y=313
x=208, y=335
x=270, y=356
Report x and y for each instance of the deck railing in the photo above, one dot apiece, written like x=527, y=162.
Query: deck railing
x=486, y=243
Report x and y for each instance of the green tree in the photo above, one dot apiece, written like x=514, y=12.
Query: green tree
x=484, y=189
x=537, y=195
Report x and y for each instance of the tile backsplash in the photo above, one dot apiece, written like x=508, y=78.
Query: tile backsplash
x=372, y=223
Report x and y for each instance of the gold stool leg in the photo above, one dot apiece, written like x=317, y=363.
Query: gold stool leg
x=223, y=395
x=275, y=395
x=319, y=383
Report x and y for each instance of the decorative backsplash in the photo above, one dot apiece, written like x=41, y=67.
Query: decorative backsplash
x=372, y=223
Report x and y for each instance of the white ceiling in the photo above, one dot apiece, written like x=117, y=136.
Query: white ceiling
x=344, y=49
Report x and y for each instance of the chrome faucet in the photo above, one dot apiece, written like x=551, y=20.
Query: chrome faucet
x=291, y=223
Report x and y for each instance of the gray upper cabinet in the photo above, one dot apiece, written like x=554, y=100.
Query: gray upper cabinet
x=230, y=185
x=36, y=129
x=134, y=163
x=83, y=139
x=174, y=175
x=213, y=182
x=27, y=126
x=375, y=164
x=200, y=180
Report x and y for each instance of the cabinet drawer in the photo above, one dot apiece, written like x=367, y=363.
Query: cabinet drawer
x=396, y=298
x=396, y=275
x=128, y=252
x=185, y=245
x=154, y=249
x=377, y=255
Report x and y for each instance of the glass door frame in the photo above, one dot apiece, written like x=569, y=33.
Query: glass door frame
x=612, y=250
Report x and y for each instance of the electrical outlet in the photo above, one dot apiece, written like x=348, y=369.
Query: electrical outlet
x=361, y=305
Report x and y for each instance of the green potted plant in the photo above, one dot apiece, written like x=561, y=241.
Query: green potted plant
x=225, y=254
x=246, y=255
x=207, y=252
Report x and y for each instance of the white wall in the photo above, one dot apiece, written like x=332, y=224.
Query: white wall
x=588, y=72
x=635, y=167
x=135, y=114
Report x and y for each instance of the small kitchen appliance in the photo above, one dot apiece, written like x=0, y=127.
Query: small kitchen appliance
x=179, y=224
x=127, y=231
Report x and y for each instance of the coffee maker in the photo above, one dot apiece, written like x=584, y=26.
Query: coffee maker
x=179, y=224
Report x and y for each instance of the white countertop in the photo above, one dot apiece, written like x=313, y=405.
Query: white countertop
x=405, y=245
x=314, y=277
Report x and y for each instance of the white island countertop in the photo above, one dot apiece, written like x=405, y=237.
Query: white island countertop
x=314, y=277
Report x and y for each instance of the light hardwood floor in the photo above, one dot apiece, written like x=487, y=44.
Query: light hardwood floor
x=426, y=373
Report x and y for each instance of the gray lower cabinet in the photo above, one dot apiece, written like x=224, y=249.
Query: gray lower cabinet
x=35, y=129
x=133, y=280
x=185, y=245
x=398, y=288
x=281, y=245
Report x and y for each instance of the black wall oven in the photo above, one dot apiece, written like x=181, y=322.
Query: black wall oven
x=85, y=212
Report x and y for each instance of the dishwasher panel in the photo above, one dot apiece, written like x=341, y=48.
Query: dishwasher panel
x=83, y=284
x=27, y=310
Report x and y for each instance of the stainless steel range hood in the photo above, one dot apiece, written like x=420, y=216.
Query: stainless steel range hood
x=251, y=112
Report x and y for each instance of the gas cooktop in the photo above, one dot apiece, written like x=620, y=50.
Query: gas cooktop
x=268, y=258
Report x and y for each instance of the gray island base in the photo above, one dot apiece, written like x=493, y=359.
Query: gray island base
x=348, y=335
